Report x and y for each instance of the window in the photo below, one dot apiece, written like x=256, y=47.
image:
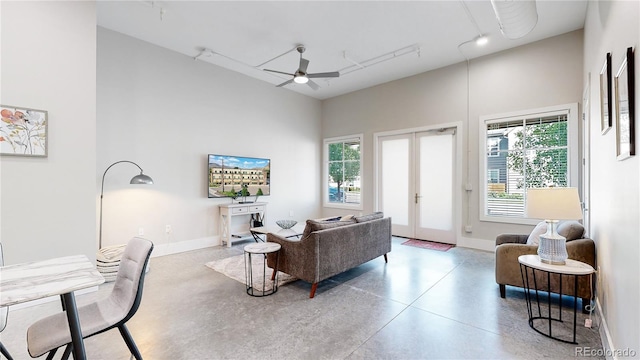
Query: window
x=530, y=149
x=342, y=172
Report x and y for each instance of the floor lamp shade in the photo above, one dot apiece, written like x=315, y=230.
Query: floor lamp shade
x=553, y=204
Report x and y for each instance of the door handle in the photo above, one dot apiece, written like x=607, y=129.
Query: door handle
x=417, y=197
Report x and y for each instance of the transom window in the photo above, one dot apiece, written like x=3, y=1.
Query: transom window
x=342, y=172
x=531, y=149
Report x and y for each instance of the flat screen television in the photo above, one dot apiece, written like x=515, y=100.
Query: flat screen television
x=229, y=175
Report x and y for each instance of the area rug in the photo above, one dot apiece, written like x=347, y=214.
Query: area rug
x=234, y=268
x=424, y=244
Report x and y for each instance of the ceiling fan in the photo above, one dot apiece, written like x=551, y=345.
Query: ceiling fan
x=301, y=76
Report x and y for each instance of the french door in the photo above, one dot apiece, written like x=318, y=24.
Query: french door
x=416, y=174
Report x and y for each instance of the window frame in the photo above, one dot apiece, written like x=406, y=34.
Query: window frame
x=573, y=163
x=325, y=171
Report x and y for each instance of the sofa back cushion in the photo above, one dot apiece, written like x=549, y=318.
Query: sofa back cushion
x=369, y=217
x=571, y=230
x=316, y=225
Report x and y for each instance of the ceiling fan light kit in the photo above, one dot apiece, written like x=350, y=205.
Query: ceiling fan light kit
x=516, y=17
x=301, y=76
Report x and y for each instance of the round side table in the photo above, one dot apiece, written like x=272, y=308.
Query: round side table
x=261, y=250
x=533, y=270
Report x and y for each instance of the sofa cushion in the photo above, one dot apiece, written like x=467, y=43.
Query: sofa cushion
x=316, y=225
x=369, y=217
x=571, y=230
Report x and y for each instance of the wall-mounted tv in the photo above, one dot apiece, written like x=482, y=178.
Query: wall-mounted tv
x=228, y=175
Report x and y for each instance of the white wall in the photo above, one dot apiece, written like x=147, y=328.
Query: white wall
x=537, y=75
x=48, y=62
x=612, y=26
x=166, y=112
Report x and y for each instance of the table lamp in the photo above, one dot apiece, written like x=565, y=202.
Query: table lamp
x=553, y=204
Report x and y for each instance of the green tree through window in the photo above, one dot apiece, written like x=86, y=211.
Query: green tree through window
x=344, y=171
x=532, y=151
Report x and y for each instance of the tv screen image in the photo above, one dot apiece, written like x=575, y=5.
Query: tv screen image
x=228, y=175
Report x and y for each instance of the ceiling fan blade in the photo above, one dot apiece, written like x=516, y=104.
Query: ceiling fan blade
x=313, y=85
x=324, y=75
x=277, y=72
x=285, y=83
x=304, y=63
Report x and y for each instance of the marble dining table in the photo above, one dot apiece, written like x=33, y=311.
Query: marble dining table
x=61, y=276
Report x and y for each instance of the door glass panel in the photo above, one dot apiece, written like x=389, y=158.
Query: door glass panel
x=395, y=182
x=436, y=182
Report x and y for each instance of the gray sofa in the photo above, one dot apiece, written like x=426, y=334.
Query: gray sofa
x=328, y=248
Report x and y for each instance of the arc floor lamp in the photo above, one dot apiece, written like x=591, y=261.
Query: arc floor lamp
x=140, y=179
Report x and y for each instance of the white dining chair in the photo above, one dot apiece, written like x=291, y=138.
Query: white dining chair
x=51, y=333
x=4, y=314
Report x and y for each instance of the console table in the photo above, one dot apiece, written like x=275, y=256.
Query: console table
x=228, y=211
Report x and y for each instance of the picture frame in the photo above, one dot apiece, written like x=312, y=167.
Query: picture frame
x=625, y=107
x=606, y=101
x=23, y=131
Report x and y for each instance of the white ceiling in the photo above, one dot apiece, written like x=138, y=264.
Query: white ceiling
x=395, y=39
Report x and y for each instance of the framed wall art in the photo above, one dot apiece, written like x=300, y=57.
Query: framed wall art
x=606, y=116
x=625, y=108
x=23, y=131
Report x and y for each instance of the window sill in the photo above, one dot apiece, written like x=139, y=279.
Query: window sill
x=342, y=206
x=509, y=220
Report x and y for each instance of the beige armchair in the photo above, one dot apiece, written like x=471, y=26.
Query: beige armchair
x=510, y=246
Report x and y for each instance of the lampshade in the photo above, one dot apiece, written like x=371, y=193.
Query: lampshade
x=141, y=179
x=516, y=18
x=554, y=203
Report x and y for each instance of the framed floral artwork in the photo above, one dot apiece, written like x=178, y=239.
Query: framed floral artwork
x=23, y=131
x=606, y=118
x=625, y=108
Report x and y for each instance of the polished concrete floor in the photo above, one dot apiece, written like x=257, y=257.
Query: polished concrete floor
x=423, y=304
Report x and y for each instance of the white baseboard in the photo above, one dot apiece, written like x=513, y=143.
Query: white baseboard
x=182, y=246
x=478, y=244
x=605, y=335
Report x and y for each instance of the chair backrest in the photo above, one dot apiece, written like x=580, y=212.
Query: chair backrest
x=127, y=290
x=4, y=311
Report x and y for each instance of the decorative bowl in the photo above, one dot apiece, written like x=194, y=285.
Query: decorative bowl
x=286, y=224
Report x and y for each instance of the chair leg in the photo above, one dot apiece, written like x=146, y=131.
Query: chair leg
x=51, y=354
x=503, y=290
x=129, y=341
x=385, y=258
x=67, y=352
x=5, y=352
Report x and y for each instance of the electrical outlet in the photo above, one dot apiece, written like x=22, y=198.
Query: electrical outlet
x=167, y=229
x=140, y=231
x=291, y=213
x=468, y=228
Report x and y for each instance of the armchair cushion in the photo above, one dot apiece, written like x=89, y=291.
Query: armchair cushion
x=571, y=230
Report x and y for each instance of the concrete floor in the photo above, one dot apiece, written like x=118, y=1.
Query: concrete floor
x=423, y=304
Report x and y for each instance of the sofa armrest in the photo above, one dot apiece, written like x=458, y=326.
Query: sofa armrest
x=297, y=257
x=511, y=238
